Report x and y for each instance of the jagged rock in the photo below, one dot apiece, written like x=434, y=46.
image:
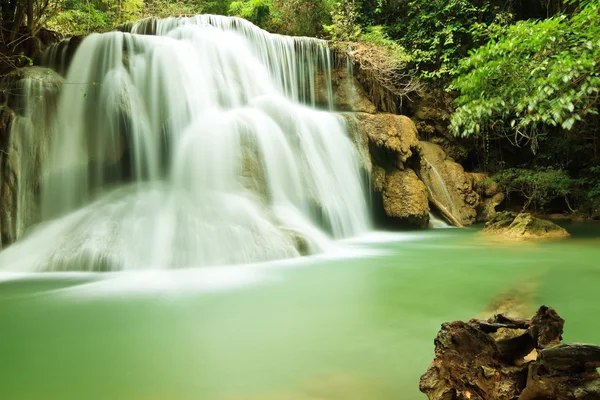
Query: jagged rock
x=489, y=360
x=393, y=139
x=523, y=226
x=405, y=198
x=348, y=94
x=450, y=188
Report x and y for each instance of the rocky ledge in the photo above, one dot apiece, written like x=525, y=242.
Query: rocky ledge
x=505, y=358
x=511, y=225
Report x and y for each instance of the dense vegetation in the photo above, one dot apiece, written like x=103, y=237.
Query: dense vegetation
x=524, y=74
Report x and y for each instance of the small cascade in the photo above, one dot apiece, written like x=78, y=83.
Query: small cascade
x=435, y=184
x=188, y=142
x=439, y=182
x=437, y=223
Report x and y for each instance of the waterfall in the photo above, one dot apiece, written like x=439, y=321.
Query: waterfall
x=191, y=142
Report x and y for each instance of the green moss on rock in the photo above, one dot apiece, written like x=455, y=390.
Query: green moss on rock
x=523, y=226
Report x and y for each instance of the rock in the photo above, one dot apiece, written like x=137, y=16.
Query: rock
x=487, y=207
x=450, y=188
x=7, y=180
x=523, y=226
x=484, y=185
x=393, y=139
x=377, y=179
x=405, y=198
x=490, y=360
x=348, y=94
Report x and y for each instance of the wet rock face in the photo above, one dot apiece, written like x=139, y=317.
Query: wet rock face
x=489, y=193
x=348, y=94
x=405, y=198
x=392, y=144
x=523, y=226
x=7, y=180
x=492, y=360
x=449, y=186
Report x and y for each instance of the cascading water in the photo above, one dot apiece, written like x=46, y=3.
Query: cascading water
x=190, y=147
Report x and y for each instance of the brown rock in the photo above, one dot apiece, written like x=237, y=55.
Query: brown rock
x=487, y=207
x=448, y=185
x=391, y=133
x=491, y=360
x=405, y=198
x=348, y=94
x=378, y=178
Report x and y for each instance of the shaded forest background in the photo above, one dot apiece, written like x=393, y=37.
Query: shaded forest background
x=518, y=79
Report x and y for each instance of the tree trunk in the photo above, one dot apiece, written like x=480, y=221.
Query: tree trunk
x=30, y=20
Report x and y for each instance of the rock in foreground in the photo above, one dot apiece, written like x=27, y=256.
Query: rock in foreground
x=504, y=358
x=523, y=226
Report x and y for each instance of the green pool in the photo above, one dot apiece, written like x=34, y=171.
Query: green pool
x=356, y=324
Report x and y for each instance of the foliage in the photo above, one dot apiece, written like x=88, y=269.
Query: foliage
x=531, y=78
x=301, y=17
x=80, y=20
x=594, y=183
x=344, y=25
x=538, y=186
x=256, y=11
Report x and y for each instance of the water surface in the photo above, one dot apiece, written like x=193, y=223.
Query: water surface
x=354, y=326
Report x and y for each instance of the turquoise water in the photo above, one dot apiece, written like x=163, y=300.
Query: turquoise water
x=358, y=325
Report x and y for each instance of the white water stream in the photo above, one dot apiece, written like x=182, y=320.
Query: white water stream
x=191, y=147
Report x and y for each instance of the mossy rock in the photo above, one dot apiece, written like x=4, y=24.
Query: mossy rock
x=523, y=226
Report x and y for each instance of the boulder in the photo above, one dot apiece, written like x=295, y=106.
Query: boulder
x=511, y=225
x=405, y=198
x=393, y=139
x=449, y=187
x=504, y=358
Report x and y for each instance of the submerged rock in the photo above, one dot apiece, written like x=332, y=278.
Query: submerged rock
x=405, y=198
x=523, y=226
x=505, y=358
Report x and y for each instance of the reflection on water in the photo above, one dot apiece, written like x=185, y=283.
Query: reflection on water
x=338, y=328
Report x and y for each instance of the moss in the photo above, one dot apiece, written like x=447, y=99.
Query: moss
x=523, y=226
